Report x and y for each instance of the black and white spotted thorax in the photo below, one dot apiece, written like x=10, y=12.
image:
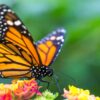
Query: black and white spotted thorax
x=40, y=72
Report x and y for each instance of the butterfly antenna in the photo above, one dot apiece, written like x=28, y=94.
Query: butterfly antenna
x=55, y=78
x=74, y=81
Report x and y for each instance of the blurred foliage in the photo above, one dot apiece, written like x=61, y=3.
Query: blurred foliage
x=80, y=55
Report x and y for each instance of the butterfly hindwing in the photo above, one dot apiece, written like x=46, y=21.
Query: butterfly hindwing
x=50, y=46
x=18, y=53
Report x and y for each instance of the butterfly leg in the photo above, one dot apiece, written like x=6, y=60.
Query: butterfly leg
x=48, y=83
x=55, y=78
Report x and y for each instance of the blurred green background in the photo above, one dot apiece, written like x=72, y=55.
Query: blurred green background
x=79, y=60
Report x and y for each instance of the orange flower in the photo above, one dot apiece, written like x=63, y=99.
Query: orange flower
x=26, y=91
x=21, y=90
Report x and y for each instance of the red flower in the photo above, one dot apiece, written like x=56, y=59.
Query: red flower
x=5, y=94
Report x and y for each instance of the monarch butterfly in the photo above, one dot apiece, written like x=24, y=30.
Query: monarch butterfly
x=19, y=55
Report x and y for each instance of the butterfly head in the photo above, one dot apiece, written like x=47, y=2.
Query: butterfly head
x=49, y=72
x=40, y=72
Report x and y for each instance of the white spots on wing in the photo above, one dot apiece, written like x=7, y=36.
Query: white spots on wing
x=9, y=10
x=23, y=26
x=61, y=30
x=59, y=38
x=62, y=40
x=29, y=34
x=24, y=32
x=17, y=23
x=4, y=23
x=58, y=43
x=9, y=22
x=58, y=35
x=4, y=10
x=52, y=38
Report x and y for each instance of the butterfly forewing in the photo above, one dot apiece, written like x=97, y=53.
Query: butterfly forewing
x=18, y=53
x=13, y=30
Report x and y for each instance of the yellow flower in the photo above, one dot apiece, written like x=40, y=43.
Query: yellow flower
x=75, y=93
x=1, y=86
x=97, y=98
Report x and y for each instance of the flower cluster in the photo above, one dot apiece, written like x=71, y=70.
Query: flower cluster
x=75, y=93
x=26, y=89
x=21, y=90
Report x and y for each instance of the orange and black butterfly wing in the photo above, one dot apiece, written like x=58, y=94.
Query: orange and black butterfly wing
x=15, y=37
x=13, y=30
x=50, y=46
x=12, y=62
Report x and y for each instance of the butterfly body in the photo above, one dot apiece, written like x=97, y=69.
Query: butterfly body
x=41, y=72
x=20, y=56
